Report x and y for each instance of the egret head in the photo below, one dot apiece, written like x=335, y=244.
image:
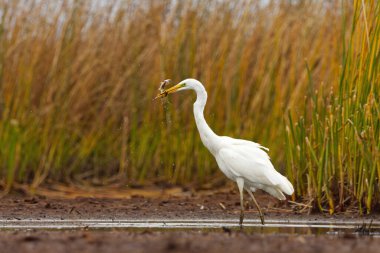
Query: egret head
x=187, y=84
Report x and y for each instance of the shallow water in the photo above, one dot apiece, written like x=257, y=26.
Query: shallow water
x=336, y=227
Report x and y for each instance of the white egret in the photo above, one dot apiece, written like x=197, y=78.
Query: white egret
x=242, y=161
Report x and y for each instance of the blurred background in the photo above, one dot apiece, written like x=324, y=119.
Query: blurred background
x=77, y=79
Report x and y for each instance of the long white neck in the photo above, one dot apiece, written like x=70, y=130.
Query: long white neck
x=208, y=137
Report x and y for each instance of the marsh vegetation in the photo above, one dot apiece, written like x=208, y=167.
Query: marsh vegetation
x=77, y=80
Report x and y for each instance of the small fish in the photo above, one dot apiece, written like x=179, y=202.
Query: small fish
x=163, y=93
x=163, y=84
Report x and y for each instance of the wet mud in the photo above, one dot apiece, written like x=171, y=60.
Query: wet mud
x=223, y=206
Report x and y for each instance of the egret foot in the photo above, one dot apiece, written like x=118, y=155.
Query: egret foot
x=257, y=206
x=262, y=219
x=241, y=218
x=240, y=183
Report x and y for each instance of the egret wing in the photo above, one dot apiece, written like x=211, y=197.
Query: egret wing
x=246, y=159
x=251, y=144
x=248, y=164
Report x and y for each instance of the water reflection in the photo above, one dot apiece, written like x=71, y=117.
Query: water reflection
x=304, y=227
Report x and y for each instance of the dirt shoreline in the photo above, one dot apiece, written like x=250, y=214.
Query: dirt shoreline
x=217, y=205
x=204, y=204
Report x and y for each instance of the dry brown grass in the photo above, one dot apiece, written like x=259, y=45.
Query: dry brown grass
x=77, y=83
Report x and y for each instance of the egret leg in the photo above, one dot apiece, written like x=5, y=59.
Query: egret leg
x=240, y=183
x=257, y=205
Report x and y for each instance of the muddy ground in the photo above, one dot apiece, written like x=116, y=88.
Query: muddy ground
x=182, y=205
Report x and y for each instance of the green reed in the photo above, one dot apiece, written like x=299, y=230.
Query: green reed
x=333, y=148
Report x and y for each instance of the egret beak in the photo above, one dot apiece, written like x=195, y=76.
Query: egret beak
x=168, y=91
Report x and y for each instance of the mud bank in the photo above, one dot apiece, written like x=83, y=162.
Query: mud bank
x=216, y=206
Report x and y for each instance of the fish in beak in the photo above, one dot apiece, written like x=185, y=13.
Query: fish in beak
x=168, y=91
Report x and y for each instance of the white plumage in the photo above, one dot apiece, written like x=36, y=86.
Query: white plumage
x=249, y=161
x=242, y=161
